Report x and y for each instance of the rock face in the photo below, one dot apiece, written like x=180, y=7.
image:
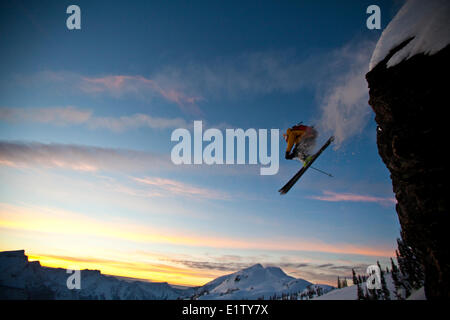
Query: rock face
x=410, y=101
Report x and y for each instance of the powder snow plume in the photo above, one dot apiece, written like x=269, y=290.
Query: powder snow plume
x=343, y=97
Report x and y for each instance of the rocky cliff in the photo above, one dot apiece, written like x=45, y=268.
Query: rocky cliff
x=410, y=100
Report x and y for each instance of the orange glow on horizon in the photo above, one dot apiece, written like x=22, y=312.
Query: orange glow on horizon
x=139, y=271
x=71, y=228
x=69, y=223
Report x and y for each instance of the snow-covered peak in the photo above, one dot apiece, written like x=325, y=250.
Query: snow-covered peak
x=259, y=270
x=426, y=22
x=255, y=267
x=252, y=283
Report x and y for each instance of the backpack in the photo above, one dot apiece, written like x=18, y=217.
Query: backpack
x=300, y=127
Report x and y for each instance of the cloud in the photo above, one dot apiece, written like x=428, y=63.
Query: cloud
x=343, y=96
x=317, y=273
x=25, y=154
x=78, y=157
x=324, y=265
x=338, y=197
x=64, y=116
x=190, y=83
x=208, y=265
x=118, y=85
x=328, y=275
x=254, y=73
x=57, y=115
x=135, y=121
x=177, y=187
x=338, y=78
x=95, y=159
x=115, y=86
x=49, y=220
x=235, y=266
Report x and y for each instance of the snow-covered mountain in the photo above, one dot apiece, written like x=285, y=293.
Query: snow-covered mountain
x=256, y=282
x=21, y=279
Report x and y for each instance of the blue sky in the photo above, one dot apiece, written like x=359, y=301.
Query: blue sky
x=86, y=118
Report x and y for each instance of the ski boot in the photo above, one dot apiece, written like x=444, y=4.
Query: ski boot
x=306, y=160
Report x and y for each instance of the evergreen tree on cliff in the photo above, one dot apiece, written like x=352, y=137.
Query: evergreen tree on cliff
x=395, y=278
x=384, y=290
x=412, y=273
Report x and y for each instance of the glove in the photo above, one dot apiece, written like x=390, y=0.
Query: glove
x=289, y=156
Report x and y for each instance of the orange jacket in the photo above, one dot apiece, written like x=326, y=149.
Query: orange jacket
x=294, y=135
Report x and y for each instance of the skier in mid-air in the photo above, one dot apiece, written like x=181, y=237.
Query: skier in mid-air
x=300, y=140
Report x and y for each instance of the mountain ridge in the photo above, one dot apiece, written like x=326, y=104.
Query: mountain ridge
x=23, y=279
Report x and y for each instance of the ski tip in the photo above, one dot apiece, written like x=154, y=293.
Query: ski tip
x=281, y=191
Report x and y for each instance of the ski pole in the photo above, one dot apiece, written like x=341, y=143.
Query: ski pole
x=328, y=174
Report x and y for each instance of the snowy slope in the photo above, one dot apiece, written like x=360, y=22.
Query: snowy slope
x=350, y=293
x=427, y=21
x=418, y=295
x=253, y=283
x=347, y=293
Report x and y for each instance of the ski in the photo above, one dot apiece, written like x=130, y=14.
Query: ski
x=297, y=176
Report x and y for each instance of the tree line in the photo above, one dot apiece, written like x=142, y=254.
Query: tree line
x=407, y=275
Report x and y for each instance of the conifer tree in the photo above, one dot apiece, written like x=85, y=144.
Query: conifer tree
x=344, y=283
x=355, y=279
x=410, y=267
x=395, y=278
x=384, y=290
x=371, y=294
x=359, y=292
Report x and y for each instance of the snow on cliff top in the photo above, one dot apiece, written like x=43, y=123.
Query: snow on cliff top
x=427, y=21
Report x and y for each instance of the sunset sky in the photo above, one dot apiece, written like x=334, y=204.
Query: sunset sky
x=86, y=118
